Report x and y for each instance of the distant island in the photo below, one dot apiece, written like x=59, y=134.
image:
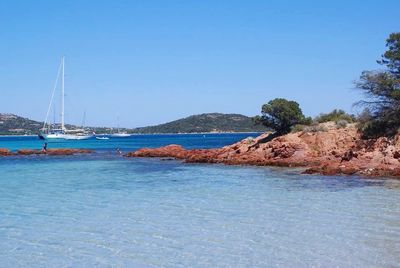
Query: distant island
x=11, y=124
x=208, y=122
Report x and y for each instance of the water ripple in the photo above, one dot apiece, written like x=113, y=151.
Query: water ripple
x=65, y=212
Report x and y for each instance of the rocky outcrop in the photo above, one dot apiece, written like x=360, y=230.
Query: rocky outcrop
x=331, y=151
x=172, y=150
x=4, y=152
x=61, y=151
x=68, y=151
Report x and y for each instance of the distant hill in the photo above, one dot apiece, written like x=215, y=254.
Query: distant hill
x=210, y=122
x=11, y=124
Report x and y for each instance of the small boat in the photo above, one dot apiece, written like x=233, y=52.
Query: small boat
x=102, y=138
x=120, y=135
x=59, y=131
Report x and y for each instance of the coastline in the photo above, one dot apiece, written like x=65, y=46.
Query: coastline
x=18, y=135
x=135, y=134
x=331, y=152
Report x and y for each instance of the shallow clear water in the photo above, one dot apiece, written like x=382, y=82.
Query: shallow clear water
x=104, y=210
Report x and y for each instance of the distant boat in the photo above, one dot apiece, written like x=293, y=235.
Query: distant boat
x=52, y=131
x=119, y=134
x=102, y=138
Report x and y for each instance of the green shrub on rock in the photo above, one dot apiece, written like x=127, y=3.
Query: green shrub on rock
x=281, y=115
x=335, y=116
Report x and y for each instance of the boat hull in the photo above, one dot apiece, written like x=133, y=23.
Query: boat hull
x=62, y=136
x=120, y=135
x=102, y=138
x=78, y=137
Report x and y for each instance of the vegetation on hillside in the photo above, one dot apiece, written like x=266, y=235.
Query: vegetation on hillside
x=335, y=116
x=11, y=124
x=211, y=122
x=381, y=116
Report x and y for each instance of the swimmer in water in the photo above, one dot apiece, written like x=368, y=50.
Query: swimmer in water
x=44, y=148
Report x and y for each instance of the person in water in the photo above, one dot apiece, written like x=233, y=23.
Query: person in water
x=44, y=148
x=119, y=151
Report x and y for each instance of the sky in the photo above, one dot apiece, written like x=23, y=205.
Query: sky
x=138, y=63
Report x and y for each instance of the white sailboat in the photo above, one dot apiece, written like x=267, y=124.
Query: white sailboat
x=52, y=131
x=119, y=134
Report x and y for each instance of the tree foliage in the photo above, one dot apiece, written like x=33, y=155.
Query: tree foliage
x=391, y=57
x=382, y=89
x=281, y=114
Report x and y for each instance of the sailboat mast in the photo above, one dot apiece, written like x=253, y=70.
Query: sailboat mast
x=62, y=95
x=84, y=119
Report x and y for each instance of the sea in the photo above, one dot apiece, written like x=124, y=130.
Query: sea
x=106, y=210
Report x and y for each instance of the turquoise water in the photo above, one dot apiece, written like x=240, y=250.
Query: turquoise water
x=108, y=211
x=134, y=142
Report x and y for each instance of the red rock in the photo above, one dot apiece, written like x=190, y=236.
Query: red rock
x=172, y=150
x=321, y=152
x=67, y=151
x=5, y=152
x=349, y=155
x=28, y=152
x=61, y=151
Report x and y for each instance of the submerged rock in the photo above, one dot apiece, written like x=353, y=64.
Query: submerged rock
x=173, y=150
x=61, y=151
x=68, y=151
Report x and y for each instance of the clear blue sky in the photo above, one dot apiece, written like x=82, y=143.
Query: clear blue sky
x=154, y=61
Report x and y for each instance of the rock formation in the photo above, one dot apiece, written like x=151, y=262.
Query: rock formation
x=329, y=151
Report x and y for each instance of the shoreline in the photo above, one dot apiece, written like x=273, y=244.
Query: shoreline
x=331, y=152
